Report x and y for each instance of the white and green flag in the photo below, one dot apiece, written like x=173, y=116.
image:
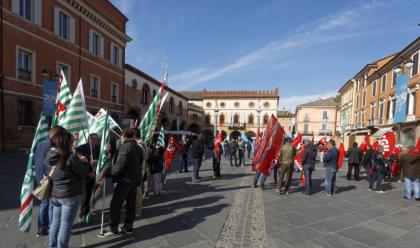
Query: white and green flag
x=62, y=101
x=161, y=139
x=26, y=197
x=147, y=124
x=75, y=118
x=103, y=164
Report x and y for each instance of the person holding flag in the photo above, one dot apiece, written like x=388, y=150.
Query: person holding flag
x=308, y=164
x=126, y=174
x=217, y=155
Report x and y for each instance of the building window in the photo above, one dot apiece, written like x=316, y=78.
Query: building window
x=324, y=115
x=96, y=44
x=236, y=119
x=154, y=93
x=358, y=85
x=25, y=65
x=415, y=68
x=64, y=25
x=95, y=82
x=305, y=129
x=364, y=99
x=171, y=105
x=251, y=104
x=265, y=119
x=372, y=115
x=409, y=137
x=394, y=78
x=25, y=9
x=180, y=108
x=251, y=119
x=222, y=119
x=114, y=93
x=25, y=113
x=381, y=113
x=266, y=105
x=324, y=126
x=222, y=104
x=357, y=101
x=66, y=70
x=207, y=118
x=237, y=104
x=306, y=118
x=145, y=95
x=194, y=117
x=374, y=88
x=383, y=84
x=208, y=105
x=115, y=54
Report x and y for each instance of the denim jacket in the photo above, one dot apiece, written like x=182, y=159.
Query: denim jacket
x=331, y=158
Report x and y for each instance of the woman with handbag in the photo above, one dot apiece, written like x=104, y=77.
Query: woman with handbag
x=68, y=171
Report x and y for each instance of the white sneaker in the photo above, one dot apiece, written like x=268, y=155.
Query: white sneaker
x=380, y=191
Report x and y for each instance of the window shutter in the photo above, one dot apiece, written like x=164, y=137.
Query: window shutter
x=15, y=6
x=111, y=53
x=72, y=29
x=414, y=103
x=38, y=12
x=56, y=21
x=90, y=40
x=102, y=47
x=407, y=100
x=120, y=57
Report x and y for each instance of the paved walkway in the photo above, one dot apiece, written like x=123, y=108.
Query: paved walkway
x=229, y=213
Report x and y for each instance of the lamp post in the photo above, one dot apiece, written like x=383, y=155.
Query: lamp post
x=216, y=115
x=258, y=115
x=399, y=71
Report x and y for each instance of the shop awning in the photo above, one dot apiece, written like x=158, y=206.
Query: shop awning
x=381, y=132
x=361, y=131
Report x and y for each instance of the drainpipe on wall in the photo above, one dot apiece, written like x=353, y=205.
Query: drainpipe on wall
x=2, y=131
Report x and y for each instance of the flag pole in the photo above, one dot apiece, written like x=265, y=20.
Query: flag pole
x=101, y=233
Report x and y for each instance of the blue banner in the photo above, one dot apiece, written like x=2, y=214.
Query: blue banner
x=401, y=83
x=49, y=95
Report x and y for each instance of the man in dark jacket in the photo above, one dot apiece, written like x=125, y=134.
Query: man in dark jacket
x=233, y=148
x=367, y=161
x=126, y=173
x=184, y=157
x=91, y=151
x=331, y=167
x=308, y=163
x=377, y=168
x=197, y=150
x=354, y=155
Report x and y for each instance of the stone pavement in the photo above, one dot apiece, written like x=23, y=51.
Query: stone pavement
x=229, y=213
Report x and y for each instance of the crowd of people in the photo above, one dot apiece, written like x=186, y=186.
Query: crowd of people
x=136, y=170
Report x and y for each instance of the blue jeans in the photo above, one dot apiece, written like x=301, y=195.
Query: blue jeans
x=376, y=177
x=64, y=213
x=45, y=215
x=241, y=157
x=307, y=171
x=197, y=165
x=256, y=177
x=409, y=185
x=330, y=174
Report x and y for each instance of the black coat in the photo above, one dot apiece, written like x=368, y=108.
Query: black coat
x=367, y=159
x=354, y=155
x=378, y=162
x=309, y=157
x=128, y=166
x=233, y=147
x=197, y=148
x=68, y=180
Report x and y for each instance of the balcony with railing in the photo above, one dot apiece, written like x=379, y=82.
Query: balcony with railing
x=237, y=125
x=94, y=93
x=24, y=74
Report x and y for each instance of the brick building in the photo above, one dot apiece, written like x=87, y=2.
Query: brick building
x=86, y=39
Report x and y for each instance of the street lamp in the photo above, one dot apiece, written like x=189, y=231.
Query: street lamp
x=216, y=115
x=50, y=74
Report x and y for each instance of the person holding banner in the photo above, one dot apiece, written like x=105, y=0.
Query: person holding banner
x=91, y=151
x=126, y=174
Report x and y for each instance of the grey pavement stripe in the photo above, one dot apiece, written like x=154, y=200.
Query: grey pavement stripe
x=245, y=224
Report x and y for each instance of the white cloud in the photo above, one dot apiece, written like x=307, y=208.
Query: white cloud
x=339, y=26
x=290, y=103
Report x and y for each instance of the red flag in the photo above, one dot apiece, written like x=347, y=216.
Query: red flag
x=217, y=144
x=269, y=146
x=297, y=140
x=341, y=155
x=172, y=149
x=298, y=157
x=364, y=146
x=375, y=145
x=388, y=142
x=323, y=142
x=302, y=178
x=418, y=144
x=395, y=168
